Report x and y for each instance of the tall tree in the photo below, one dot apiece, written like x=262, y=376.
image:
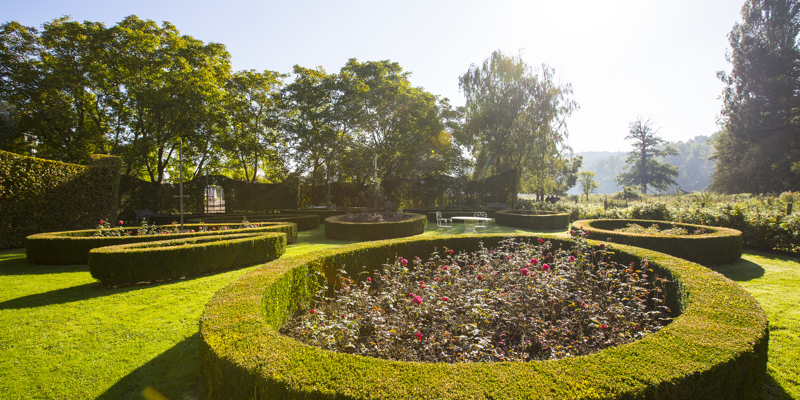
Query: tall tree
x=586, y=180
x=758, y=149
x=642, y=165
x=517, y=117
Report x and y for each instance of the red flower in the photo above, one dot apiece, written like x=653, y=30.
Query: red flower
x=445, y=299
x=213, y=229
x=534, y=261
x=421, y=283
x=417, y=300
x=101, y=221
x=524, y=271
x=602, y=245
x=419, y=335
x=445, y=267
x=369, y=280
x=312, y=311
x=604, y=327
x=545, y=267
x=541, y=240
x=480, y=277
x=571, y=232
x=119, y=223
x=411, y=295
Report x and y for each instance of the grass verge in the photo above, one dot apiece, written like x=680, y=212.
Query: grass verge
x=63, y=336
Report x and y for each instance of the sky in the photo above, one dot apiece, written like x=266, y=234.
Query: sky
x=624, y=59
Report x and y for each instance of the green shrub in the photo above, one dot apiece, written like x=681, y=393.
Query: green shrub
x=129, y=264
x=335, y=228
x=716, y=349
x=72, y=247
x=536, y=220
x=717, y=246
x=304, y=222
x=39, y=195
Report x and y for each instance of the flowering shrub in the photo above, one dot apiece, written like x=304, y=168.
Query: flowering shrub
x=389, y=216
x=517, y=302
x=105, y=229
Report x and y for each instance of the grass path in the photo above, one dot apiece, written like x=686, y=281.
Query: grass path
x=62, y=336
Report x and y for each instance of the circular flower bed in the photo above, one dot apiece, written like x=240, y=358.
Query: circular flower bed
x=706, y=245
x=337, y=228
x=716, y=348
x=536, y=220
x=517, y=302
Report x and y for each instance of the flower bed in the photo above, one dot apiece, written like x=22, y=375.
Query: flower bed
x=536, y=220
x=304, y=222
x=323, y=213
x=171, y=259
x=716, y=348
x=336, y=228
x=716, y=246
x=72, y=247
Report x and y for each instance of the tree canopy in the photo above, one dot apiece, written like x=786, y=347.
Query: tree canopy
x=642, y=167
x=758, y=149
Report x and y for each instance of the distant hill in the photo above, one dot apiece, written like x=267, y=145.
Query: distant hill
x=694, y=167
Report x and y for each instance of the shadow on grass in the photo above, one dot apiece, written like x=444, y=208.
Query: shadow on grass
x=740, y=271
x=773, y=390
x=14, y=262
x=175, y=374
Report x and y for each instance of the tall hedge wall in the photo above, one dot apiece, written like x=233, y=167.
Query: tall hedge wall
x=716, y=348
x=39, y=195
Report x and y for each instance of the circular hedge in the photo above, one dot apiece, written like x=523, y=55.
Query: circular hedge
x=536, y=220
x=715, y=349
x=128, y=264
x=72, y=247
x=335, y=228
x=717, y=246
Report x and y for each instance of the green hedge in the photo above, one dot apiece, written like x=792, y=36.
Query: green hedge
x=39, y=195
x=129, y=264
x=716, y=348
x=718, y=246
x=72, y=247
x=335, y=228
x=304, y=222
x=323, y=213
x=536, y=220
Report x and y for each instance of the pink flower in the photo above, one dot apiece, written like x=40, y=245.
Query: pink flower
x=312, y=311
x=508, y=258
x=417, y=300
x=571, y=232
x=403, y=261
x=421, y=283
x=419, y=335
x=411, y=295
x=587, y=233
x=369, y=280
x=541, y=240
x=545, y=267
x=445, y=267
x=534, y=261
x=436, y=279
x=604, y=327
x=480, y=277
x=450, y=251
x=571, y=259
x=602, y=245
x=524, y=271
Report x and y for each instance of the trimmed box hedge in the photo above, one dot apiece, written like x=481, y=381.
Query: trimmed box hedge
x=335, y=228
x=38, y=195
x=304, y=222
x=536, y=220
x=72, y=247
x=717, y=246
x=323, y=213
x=129, y=264
x=716, y=348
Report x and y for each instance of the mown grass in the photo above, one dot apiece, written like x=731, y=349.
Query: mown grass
x=62, y=336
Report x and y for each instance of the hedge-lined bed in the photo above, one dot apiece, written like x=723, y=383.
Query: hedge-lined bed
x=536, y=220
x=337, y=229
x=72, y=247
x=129, y=264
x=304, y=222
x=716, y=348
x=323, y=213
x=716, y=246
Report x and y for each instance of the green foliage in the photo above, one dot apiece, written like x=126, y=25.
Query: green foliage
x=129, y=264
x=757, y=150
x=73, y=247
x=642, y=166
x=39, y=195
x=586, y=180
x=716, y=246
x=717, y=348
x=336, y=228
x=535, y=220
x=304, y=222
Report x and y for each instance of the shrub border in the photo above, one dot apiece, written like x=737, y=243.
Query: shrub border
x=337, y=229
x=133, y=263
x=717, y=347
x=546, y=221
x=72, y=247
x=304, y=222
x=719, y=246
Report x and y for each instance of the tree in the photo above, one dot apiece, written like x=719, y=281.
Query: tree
x=516, y=116
x=586, y=180
x=642, y=167
x=758, y=149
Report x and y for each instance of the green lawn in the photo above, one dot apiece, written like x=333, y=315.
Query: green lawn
x=62, y=336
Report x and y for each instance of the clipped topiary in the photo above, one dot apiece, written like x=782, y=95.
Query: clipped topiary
x=129, y=264
x=715, y=349
x=336, y=228
x=535, y=220
x=715, y=246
